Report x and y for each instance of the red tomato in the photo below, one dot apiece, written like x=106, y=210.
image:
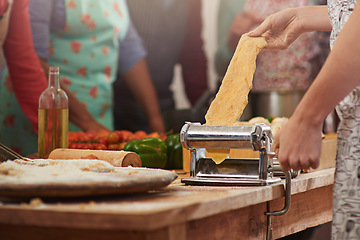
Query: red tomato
x=102, y=140
x=72, y=136
x=100, y=147
x=113, y=137
x=73, y=145
x=79, y=145
x=154, y=135
x=140, y=134
x=132, y=137
x=113, y=146
x=120, y=135
x=102, y=133
x=91, y=134
x=87, y=146
x=122, y=145
x=124, y=135
x=83, y=136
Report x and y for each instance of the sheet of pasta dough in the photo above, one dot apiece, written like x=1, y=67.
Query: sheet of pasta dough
x=232, y=97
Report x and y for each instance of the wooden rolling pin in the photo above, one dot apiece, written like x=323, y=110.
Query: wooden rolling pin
x=116, y=158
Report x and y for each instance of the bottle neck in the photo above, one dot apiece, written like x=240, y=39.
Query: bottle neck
x=54, y=77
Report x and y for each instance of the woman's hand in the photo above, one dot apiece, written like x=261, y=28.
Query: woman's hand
x=298, y=144
x=280, y=29
x=283, y=28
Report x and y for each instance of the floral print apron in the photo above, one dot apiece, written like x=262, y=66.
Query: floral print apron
x=86, y=52
x=346, y=205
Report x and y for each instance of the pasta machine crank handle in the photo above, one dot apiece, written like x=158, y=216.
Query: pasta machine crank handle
x=287, y=192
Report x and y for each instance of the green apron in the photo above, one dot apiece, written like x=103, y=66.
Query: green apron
x=86, y=52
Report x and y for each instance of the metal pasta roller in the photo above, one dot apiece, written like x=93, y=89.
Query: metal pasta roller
x=232, y=171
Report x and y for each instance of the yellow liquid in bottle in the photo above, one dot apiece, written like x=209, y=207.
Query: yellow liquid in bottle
x=53, y=130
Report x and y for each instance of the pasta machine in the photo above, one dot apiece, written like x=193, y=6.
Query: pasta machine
x=233, y=171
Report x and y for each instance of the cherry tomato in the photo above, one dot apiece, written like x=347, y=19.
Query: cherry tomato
x=79, y=145
x=140, y=134
x=102, y=140
x=94, y=145
x=120, y=135
x=83, y=136
x=73, y=145
x=87, y=146
x=132, y=137
x=101, y=147
x=102, y=133
x=154, y=135
x=72, y=136
x=91, y=134
x=124, y=135
x=122, y=145
x=113, y=146
x=113, y=137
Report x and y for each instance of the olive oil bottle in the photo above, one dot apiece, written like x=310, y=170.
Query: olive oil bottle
x=53, y=116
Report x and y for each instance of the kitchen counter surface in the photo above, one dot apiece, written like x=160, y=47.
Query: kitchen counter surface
x=175, y=212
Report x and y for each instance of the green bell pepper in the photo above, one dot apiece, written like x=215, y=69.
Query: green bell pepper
x=174, y=152
x=152, y=151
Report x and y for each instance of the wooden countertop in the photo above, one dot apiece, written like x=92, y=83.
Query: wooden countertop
x=177, y=211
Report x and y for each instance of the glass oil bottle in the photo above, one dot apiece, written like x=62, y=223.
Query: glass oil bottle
x=53, y=116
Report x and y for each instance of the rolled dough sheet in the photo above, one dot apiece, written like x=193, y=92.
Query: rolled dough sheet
x=232, y=97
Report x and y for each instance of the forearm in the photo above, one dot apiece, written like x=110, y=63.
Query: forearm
x=339, y=75
x=139, y=82
x=314, y=18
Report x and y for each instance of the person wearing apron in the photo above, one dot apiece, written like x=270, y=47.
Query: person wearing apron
x=96, y=55
x=86, y=47
x=299, y=141
x=86, y=52
x=22, y=91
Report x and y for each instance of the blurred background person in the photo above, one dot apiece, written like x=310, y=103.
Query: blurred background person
x=83, y=38
x=171, y=31
x=281, y=77
x=27, y=77
x=21, y=89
